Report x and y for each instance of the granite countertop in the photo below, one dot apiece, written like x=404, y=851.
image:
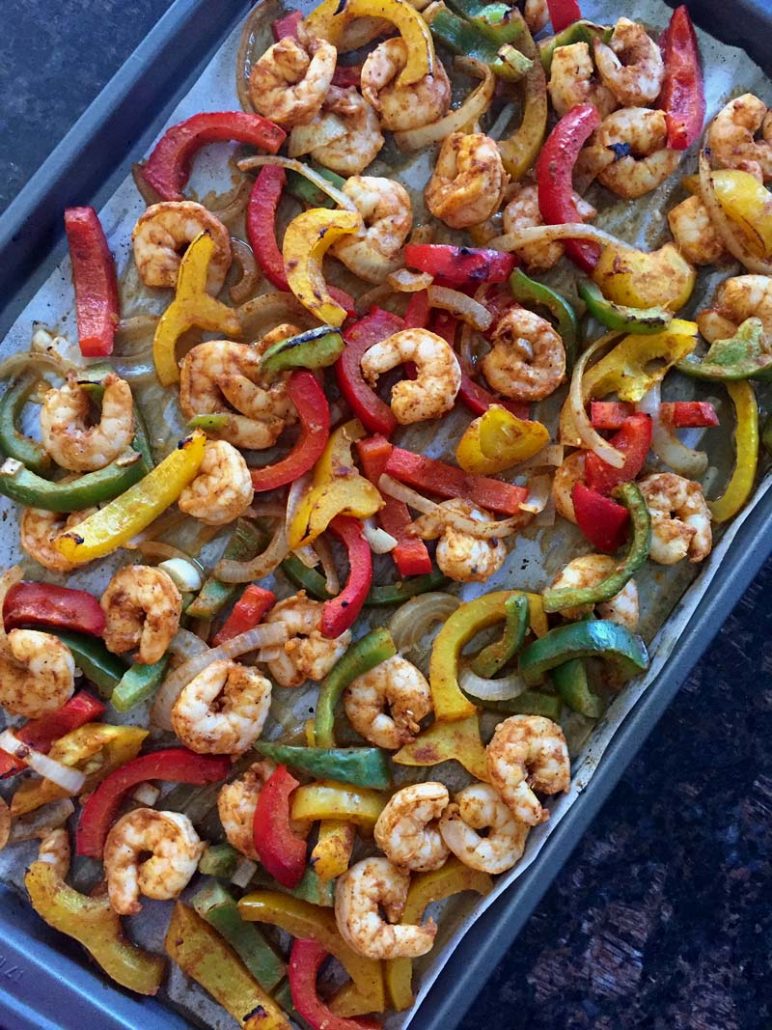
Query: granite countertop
x=659, y=918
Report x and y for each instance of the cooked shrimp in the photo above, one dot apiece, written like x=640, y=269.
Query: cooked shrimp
x=236, y=804
x=459, y=555
x=478, y=807
x=351, y=153
x=731, y=136
x=219, y=373
x=388, y=217
x=536, y=14
x=37, y=673
x=640, y=136
x=522, y=212
x=164, y=231
x=222, y=490
x=587, y=571
x=568, y=474
x=528, y=753
x=369, y=888
x=55, y=850
x=631, y=64
x=694, y=233
x=573, y=81
x=142, y=607
x=406, y=830
x=738, y=298
x=174, y=848
x=438, y=378
x=307, y=654
x=403, y=107
x=70, y=441
x=223, y=709
x=39, y=529
x=290, y=81
x=527, y=360
x=395, y=683
x=468, y=180
x=680, y=518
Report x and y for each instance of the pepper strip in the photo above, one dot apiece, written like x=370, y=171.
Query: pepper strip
x=40, y=734
x=497, y=440
x=32, y=491
x=363, y=655
x=46, y=604
x=529, y=291
x=102, y=668
x=633, y=440
x=459, y=266
x=306, y=240
x=603, y=521
x=563, y=13
x=368, y=407
x=316, y=348
x=261, y=223
x=245, y=543
x=492, y=659
x=313, y=411
x=282, y=852
x=442, y=741
x=746, y=437
x=93, y=276
x=682, y=97
x=138, y=683
x=14, y=443
x=249, y=611
x=328, y=800
x=398, y=593
x=305, y=961
x=340, y=613
x=745, y=355
x=640, y=321
x=522, y=148
x=332, y=852
x=597, y=638
x=362, y=766
x=571, y=683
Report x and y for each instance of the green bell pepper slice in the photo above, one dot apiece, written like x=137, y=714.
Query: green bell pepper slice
x=311, y=888
x=316, y=348
x=137, y=684
x=638, y=321
x=31, y=491
x=530, y=702
x=597, y=638
x=302, y=189
x=246, y=542
x=307, y=579
x=14, y=443
x=219, y=860
x=746, y=355
x=529, y=291
x=362, y=766
x=766, y=434
x=581, y=31
x=362, y=656
x=466, y=39
x=398, y=593
x=570, y=681
x=492, y=659
x=99, y=666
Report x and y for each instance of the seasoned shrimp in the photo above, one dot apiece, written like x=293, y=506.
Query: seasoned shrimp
x=174, y=848
x=37, y=673
x=732, y=135
x=39, y=529
x=219, y=373
x=222, y=489
x=468, y=180
x=142, y=607
x=694, y=233
x=522, y=212
x=365, y=891
x=236, y=804
x=55, y=850
x=223, y=709
x=459, y=555
x=70, y=441
x=403, y=107
x=568, y=474
x=527, y=360
x=573, y=81
x=164, y=231
x=398, y=684
x=640, y=136
x=536, y=14
x=406, y=830
x=631, y=64
x=478, y=807
x=587, y=571
x=528, y=753
x=738, y=298
x=352, y=152
x=438, y=378
x=307, y=654
x=680, y=518
x=388, y=217
x=290, y=81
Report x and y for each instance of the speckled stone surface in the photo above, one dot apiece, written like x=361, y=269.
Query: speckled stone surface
x=662, y=917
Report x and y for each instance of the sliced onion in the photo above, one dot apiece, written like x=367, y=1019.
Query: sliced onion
x=29, y=361
x=158, y=549
x=404, y=493
x=69, y=780
x=473, y=108
x=318, y=180
x=243, y=873
x=307, y=555
x=551, y=233
x=731, y=239
x=405, y=281
x=269, y=654
x=539, y=488
x=445, y=517
x=590, y=437
x=268, y=310
x=377, y=295
x=229, y=571
x=187, y=645
x=230, y=205
x=466, y=353
x=318, y=133
x=294, y=496
x=463, y=307
x=8, y=580
x=414, y=619
x=185, y=574
x=5, y=823
x=246, y=287
x=379, y=540
x=41, y=821
x=502, y=689
x=546, y=516
x=321, y=548
x=146, y=794
x=499, y=127
x=550, y=456
x=666, y=444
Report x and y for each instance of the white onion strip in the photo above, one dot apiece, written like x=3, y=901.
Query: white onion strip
x=503, y=689
x=230, y=571
x=474, y=107
x=482, y=530
x=405, y=281
x=289, y=163
x=468, y=310
x=590, y=437
x=666, y=444
x=69, y=780
x=723, y=223
x=414, y=619
x=551, y=233
x=539, y=488
x=550, y=456
x=323, y=552
x=186, y=644
x=379, y=540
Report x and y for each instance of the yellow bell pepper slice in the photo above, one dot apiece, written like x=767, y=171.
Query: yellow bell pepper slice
x=93, y=923
x=746, y=201
x=332, y=852
x=96, y=749
x=192, y=306
x=746, y=438
x=458, y=740
x=637, y=279
x=306, y=241
x=300, y=919
x=131, y=512
x=204, y=956
x=327, y=799
x=453, y=878
x=522, y=148
x=497, y=440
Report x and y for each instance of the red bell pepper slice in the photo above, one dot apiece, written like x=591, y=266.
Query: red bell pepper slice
x=168, y=167
x=683, y=94
x=373, y=413
x=287, y=25
x=410, y=555
x=174, y=765
x=417, y=310
x=460, y=266
x=261, y=224
x=345, y=300
x=603, y=521
x=341, y=612
x=554, y=177
x=39, y=734
x=688, y=414
x=610, y=414
x=247, y=612
x=437, y=477
x=45, y=604
x=306, y=958
x=95, y=282
x=563, y=13
x=633, y=440
x=314, y=416
x=347, y=75
x=281, y=850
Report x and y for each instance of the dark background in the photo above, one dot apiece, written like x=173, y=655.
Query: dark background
x=661, y=917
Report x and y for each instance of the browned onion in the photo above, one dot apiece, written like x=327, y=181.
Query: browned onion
x=230, y=571
x=245, y=55
x=482, y=530
x=465, y=308
x=245, y=288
